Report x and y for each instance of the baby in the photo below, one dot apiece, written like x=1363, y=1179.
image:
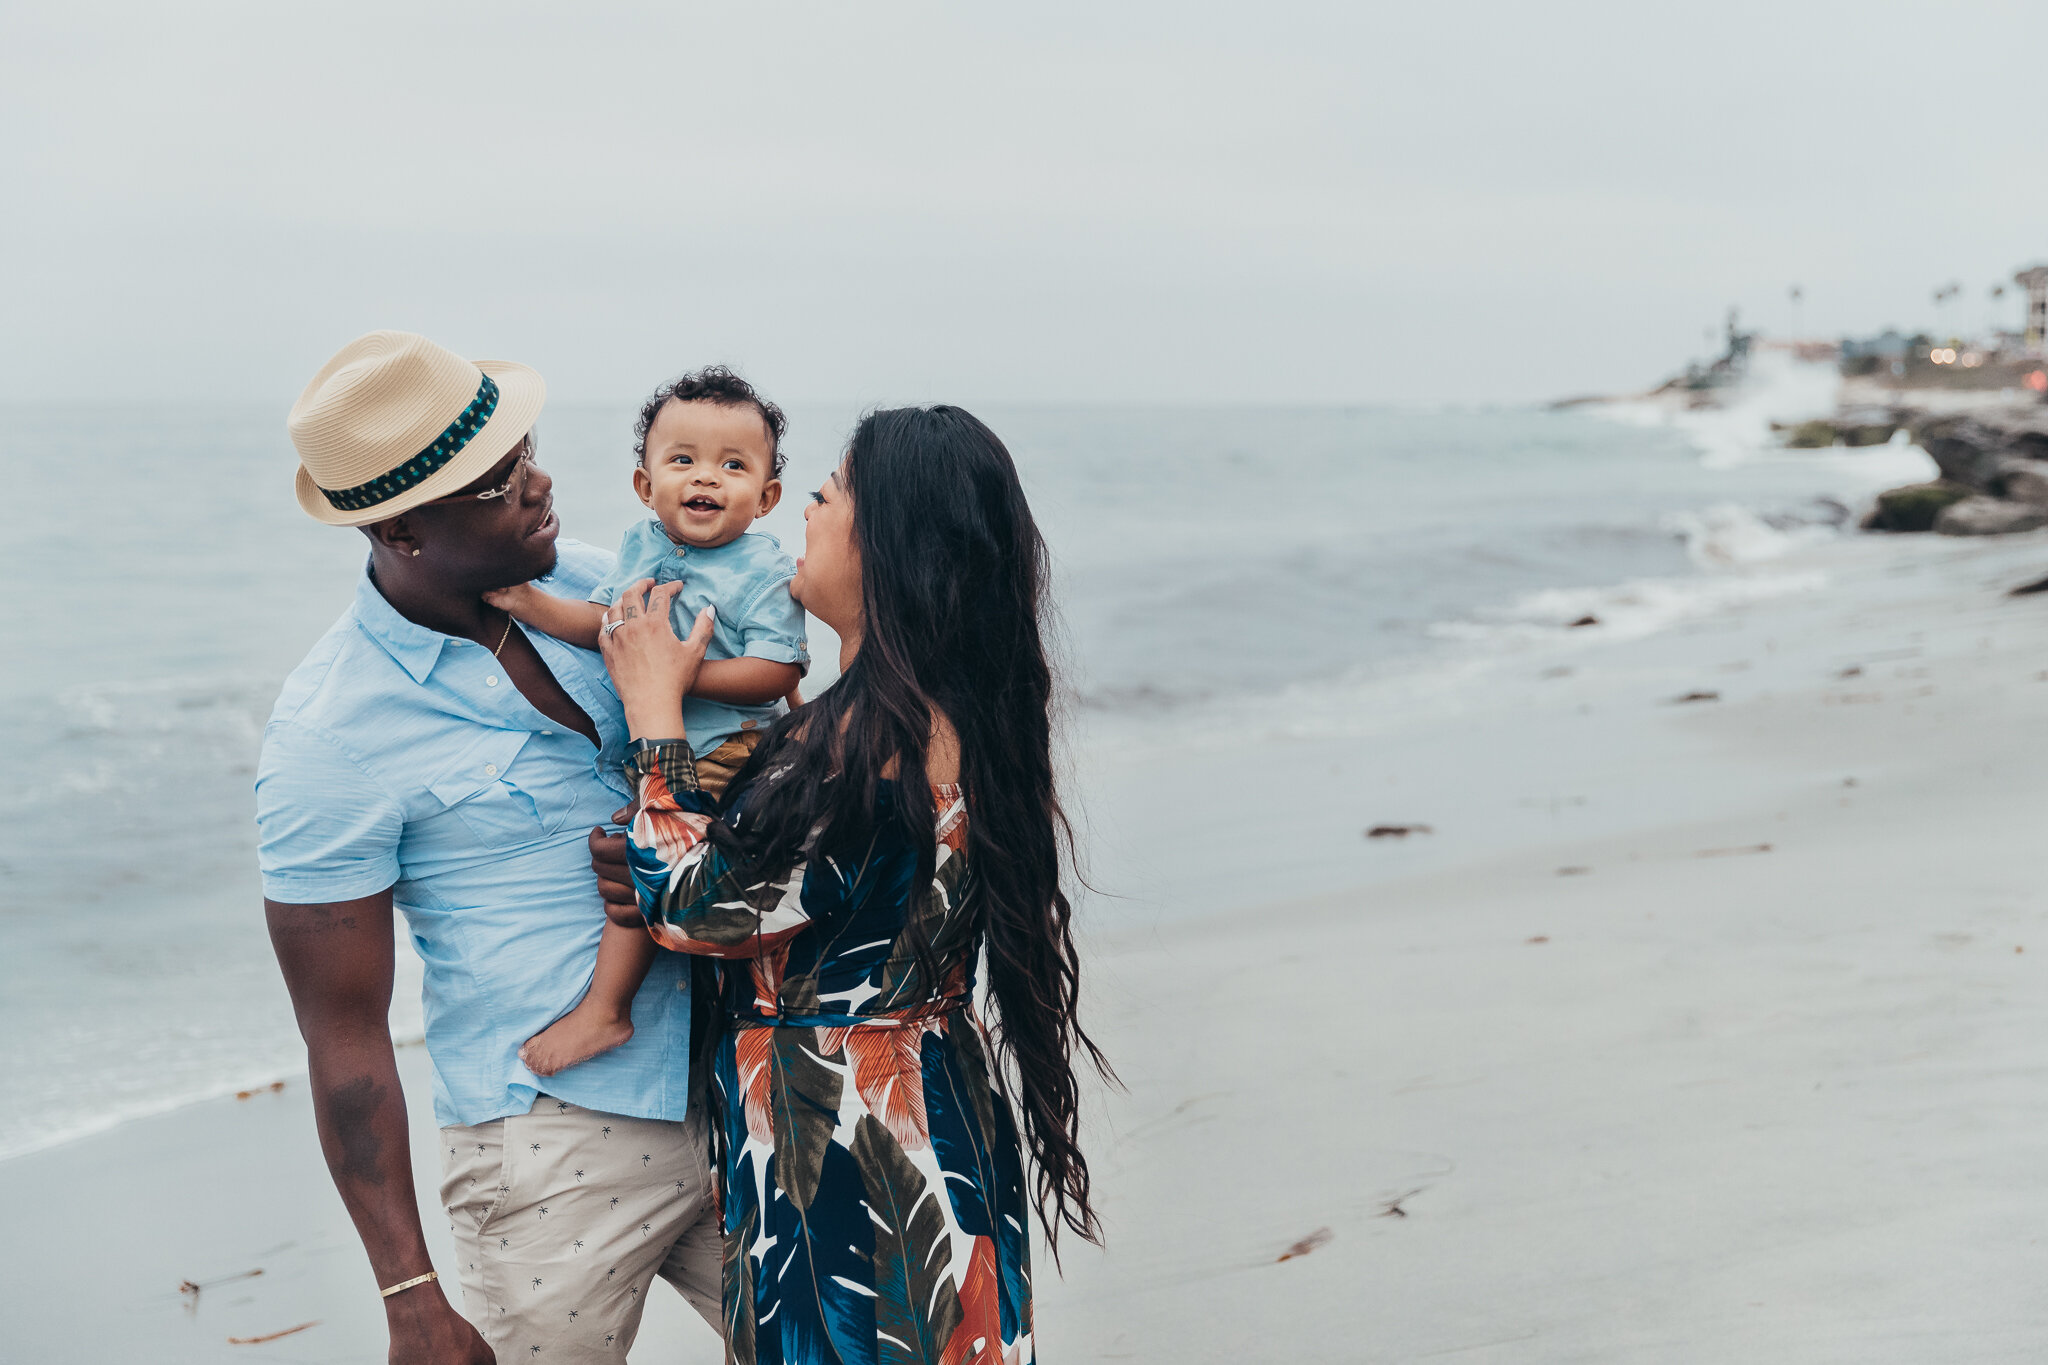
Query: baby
x=710, y=462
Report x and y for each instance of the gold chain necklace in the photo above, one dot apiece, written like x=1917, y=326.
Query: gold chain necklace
x=506, y=636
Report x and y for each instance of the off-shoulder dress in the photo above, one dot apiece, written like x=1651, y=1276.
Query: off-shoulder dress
x=869, y=1170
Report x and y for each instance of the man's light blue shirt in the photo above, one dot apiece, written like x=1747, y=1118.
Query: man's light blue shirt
x=401, y=757
x=746, y=582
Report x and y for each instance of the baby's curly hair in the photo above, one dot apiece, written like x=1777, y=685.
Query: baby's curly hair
x=713, y=384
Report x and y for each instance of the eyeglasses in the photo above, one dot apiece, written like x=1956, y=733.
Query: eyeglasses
x=516, y=478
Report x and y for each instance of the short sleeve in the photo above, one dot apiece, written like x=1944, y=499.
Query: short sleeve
x=325, y=831
x=576, y=567
x=608, y=588
x=637, y=554
x=773, y=628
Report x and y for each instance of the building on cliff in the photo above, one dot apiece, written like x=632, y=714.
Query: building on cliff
x=2034, y=279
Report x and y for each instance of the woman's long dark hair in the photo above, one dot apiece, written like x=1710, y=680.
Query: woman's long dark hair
x=953, y=588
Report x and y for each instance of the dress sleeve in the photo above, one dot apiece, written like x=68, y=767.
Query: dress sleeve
x=693, y=898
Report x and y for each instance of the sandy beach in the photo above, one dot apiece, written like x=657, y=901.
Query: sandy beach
x=1757, y=1085
x=1691, y=1031
x=1527, y=548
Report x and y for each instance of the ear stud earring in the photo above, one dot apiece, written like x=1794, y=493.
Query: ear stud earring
x=415, y=554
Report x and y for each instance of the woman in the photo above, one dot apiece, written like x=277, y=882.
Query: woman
x=879, y=841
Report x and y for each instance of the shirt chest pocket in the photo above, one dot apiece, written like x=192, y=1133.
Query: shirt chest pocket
x=481, y=791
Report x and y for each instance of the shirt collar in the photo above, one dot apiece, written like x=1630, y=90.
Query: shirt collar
x=415, y=647
x=662, y=536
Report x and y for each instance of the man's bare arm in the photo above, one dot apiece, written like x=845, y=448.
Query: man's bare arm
x=337, y=961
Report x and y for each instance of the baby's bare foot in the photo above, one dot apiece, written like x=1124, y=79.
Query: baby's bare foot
x=576, y=1037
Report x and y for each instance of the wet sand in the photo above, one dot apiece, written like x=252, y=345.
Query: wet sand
x=1700, y=1031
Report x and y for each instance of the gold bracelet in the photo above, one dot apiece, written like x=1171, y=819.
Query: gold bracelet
x=404, y=1285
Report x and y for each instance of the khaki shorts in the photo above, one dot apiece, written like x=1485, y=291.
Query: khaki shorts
x=717, y=769
x=563, y=1217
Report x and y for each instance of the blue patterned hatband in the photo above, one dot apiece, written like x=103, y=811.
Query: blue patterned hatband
x=446, y=447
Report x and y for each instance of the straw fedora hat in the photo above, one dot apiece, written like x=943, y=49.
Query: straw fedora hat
x=393, y=421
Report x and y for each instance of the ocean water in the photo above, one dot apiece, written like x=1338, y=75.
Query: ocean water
x=1214, y=567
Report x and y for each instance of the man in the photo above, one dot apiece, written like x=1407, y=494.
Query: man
x=431, y=756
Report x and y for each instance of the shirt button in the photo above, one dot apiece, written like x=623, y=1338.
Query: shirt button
x=547, y=732
x=746, y=725
x=491, y=681
x=490, y=770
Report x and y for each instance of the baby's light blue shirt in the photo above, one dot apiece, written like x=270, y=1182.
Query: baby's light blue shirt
x=746, y=582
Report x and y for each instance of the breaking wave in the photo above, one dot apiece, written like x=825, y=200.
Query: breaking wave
x=1624, y=611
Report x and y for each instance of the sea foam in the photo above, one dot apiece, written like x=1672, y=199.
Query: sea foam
x=1623, y=611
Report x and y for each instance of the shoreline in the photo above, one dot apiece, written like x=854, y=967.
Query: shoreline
x=200, y=1011
x=1759, y=1082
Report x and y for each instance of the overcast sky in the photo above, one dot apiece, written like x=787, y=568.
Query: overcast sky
x=1465, y=200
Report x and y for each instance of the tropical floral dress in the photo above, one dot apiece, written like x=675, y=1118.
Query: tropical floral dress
x=870, y=1180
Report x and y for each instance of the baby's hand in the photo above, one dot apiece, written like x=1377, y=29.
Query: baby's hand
x=514, y=601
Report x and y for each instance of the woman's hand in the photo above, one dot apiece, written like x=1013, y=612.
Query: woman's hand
x=652, y=669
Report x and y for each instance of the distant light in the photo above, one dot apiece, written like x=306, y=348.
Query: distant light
x=2038, y=381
